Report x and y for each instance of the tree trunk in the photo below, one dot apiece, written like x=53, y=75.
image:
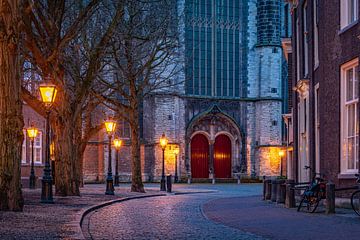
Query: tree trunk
x=136, y=181
x=67, y=146
x=11, y=120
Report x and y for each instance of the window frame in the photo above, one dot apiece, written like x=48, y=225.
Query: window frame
x=38, y=147
x=345, y=105
x=345, y=15
x=24, y=149
x=316, y=34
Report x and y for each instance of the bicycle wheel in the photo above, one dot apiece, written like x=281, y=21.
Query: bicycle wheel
x=313, y=203
x=355, y=202
x=301, y=203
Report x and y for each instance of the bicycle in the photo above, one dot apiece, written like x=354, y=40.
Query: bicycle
x=355, y=197
x=314, y=193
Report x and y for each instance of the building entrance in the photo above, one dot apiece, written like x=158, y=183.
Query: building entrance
x=199, y=156
x=222, y=157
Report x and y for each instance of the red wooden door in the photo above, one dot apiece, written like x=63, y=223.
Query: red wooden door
x=199, y=156
x=222, y=157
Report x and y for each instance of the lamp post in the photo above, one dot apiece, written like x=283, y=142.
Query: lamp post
x=281, y=154
x=163, y=143
x=32, y=133
x=48, y=94
x=176, y=152
x=110, y=128
x=117, y=145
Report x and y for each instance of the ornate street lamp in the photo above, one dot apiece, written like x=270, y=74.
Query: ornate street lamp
x=48, y=95
x=32, y=133
x=117, y=145
x=176, y=152
x=110, y=128
x=281, y=155
x=163, y=143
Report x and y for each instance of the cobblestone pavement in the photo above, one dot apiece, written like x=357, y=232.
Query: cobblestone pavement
x=276, y=222
x=169, y=217
x=59, y=220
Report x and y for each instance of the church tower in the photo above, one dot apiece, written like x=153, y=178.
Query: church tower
x=225, y=113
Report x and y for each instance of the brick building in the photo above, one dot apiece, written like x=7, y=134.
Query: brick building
x=225, y=115
x=323, y=54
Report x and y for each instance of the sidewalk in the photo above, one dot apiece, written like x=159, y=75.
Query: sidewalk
x=61, y=219
x=269, y=220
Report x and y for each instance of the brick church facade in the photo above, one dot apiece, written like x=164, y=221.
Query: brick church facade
x=225, y=115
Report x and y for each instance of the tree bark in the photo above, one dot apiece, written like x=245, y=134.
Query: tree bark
x=67, y=142
x=136, y=181
x=11, y=120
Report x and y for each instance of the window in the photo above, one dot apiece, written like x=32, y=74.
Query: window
x=23, y=150
x=38, y=148
x=305, y=42
x=316, y=35
x=124, y=128
x=349, y=119
x=348, y=12
x=297, y=50
x=303, y=135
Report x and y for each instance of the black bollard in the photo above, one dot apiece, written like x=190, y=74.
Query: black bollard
x=290, y=194
x=274, y=187
x=330, y=198
x=268, y=189
x=281, y=189
x=168, y=183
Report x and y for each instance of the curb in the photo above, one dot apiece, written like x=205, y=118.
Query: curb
x=85, y=212
x=195, y=192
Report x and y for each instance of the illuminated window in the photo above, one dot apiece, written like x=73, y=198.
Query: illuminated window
x=349, y=119
x=38, y=148
x=23, y=150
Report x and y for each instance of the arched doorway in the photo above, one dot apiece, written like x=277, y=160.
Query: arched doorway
x=222, y=157
x=199, y=156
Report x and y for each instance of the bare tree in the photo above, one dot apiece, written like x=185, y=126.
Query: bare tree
x=11, y=120
x=66, y=41
x=143, y=59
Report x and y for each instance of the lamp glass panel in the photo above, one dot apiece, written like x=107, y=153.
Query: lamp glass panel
x=32, y=132
x=48, y=93
x=110, y=126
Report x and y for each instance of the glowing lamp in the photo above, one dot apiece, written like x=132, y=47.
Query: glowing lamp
x=32, y=132
x=48, y=93
x=163, y=141
x=176, y=151
x=281, y=153
x=117, y=143
x=110, y=126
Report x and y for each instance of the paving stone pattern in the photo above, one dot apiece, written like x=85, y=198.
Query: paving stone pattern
x=168, y=217
x=276, y=222
x=55, y=221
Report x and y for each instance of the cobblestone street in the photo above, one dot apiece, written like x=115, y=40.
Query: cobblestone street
x=170, y=217
x=229, y=212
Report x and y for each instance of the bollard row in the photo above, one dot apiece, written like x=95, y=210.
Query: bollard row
x=279, y=191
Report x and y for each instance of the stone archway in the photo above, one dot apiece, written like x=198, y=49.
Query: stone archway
x=214, y=124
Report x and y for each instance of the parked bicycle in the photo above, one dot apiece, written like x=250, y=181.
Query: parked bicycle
x=314, y=193
x=355, y=197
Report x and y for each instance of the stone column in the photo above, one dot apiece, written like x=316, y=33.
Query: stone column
x=211, y=150
x=187, y=160
x=211, y=162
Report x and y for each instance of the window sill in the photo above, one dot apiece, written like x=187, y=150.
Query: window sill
x=346, y=175
x=348, y=27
